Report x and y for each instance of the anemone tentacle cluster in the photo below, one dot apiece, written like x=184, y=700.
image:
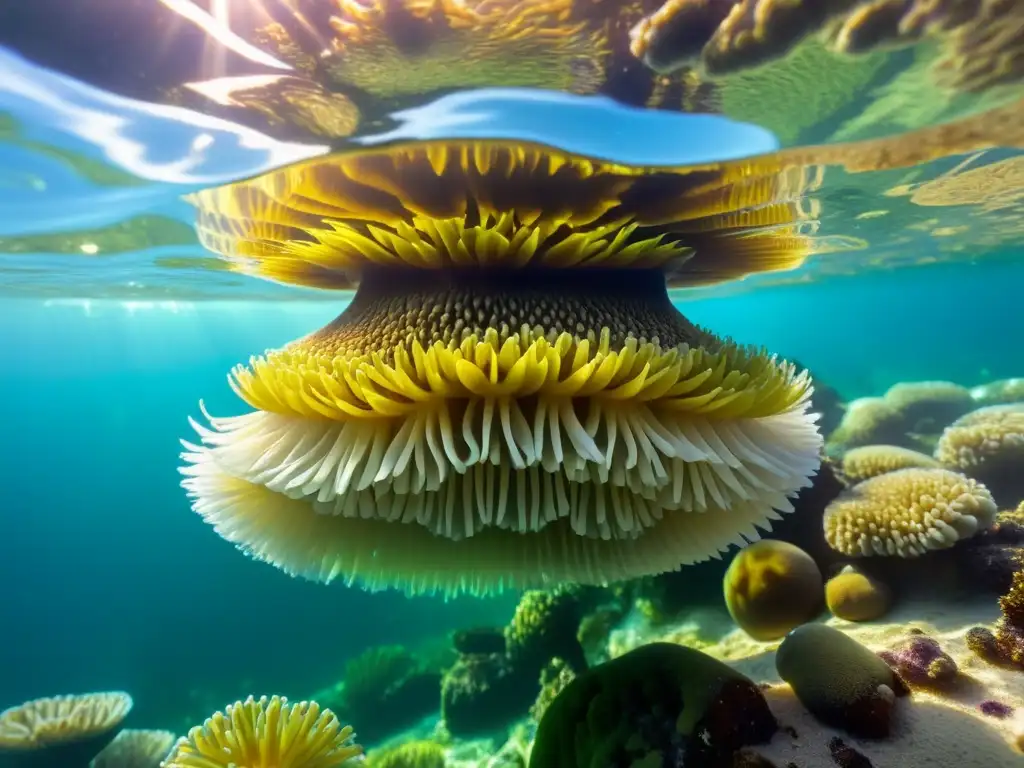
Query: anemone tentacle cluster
x=510, y=398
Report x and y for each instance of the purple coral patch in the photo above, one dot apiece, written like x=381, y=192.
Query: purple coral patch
x=994, y=708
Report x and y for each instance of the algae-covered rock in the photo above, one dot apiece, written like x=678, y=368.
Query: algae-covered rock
x=771, y=587
x=842, y=683
x=661, y=704
x=855, y=596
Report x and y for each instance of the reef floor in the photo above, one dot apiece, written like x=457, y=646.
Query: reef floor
x=934, y=728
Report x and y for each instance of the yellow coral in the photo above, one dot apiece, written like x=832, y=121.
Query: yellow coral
x=867, y=421
x=992, y=433
x=868, y=461
x=907, y=513
x=266, y=733
x=43, y=723
x=136, y=749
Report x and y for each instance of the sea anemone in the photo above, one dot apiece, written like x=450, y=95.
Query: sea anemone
x=68, y=730
x=510, y=399
x=907, y=513
x=136, y=749
x=266, y=733
x=869, y=461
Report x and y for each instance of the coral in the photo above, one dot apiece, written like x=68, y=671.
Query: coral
x=479, y=640
x=1005, y=644
x=907, y=513
x=771, y=587
x=266, y=733
x=390, y=682
x=660, y=704
x=595, y=629
x=995, y=709
x=510, y=400
x=929, y=406
x=867, y=421
x=483, y=693
x=988, y=445
x=1001, y=392
x=62, y=730
x=555, y=677
x=842, y=683
x=544, y=627
x=920, y=661
x=855, y=596
x=136, y=749
x=989, y=560
x=869, y=461
x=413, y=754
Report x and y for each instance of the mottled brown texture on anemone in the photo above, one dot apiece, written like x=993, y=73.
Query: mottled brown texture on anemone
x=907, y=513
x=869, y=461
x=483, y=204
x=136, y=749
x=67, y=730
x=266, y=733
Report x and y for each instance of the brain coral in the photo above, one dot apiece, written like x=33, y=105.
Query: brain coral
x=510, y=400
x=989, y=434
x=871, y=460
x=928, y=406
x=136, y=749
x=907, y=513
x=867, y=421
x=63, y=730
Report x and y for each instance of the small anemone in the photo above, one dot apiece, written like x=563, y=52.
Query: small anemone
x=136, y=749
x=907, y=513
x=869, y=461
x=266, y=733
x=62, y=729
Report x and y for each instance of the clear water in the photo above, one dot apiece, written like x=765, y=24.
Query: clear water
x=115, y=320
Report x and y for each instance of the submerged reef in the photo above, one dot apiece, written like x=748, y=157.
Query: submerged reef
x=61, y=730
x=393, y=683
x=920, y=661
x=510, y=400
x=660, y=702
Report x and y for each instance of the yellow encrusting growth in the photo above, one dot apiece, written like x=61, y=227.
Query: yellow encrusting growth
x=440, y=205
x=266, y=733
x=907, y=513
x=58, y=719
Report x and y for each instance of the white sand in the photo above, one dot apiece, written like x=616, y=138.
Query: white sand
x=930, y=729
